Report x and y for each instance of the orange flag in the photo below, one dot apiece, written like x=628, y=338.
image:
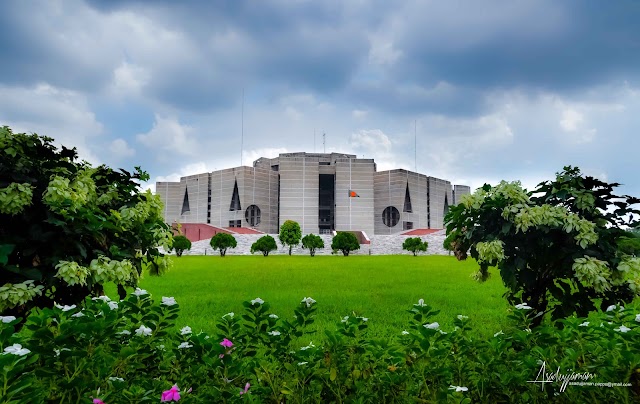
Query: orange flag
x=352, y=194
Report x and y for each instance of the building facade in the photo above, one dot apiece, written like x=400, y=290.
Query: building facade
x=323, y=192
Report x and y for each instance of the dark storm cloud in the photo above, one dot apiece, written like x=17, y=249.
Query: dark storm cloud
x=564, y=46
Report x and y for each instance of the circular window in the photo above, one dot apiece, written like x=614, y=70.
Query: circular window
x=252, y=215
x=390, y=216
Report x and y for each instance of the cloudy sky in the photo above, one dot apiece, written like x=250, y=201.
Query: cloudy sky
x=491, y=89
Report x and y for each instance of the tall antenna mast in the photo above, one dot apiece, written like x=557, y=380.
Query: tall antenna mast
x=324, y=142
x=242, y=129
x=314, y=140
x=415, y=144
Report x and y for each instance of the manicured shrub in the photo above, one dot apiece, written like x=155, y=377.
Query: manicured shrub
x=312, y=242
x=222, y=242
x=67, y=228
x=265, y=245
x=290, y=234
x=345, y=242
x=131, y=352
x=181, y=244
x=556, y=247
x=415, y=245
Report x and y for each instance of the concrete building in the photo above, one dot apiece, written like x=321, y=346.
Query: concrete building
x=323, y=192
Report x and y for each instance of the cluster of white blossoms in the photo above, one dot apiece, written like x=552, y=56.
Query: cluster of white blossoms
x=185, y=345
x=16, y=349
x=311, y=345
x=258, y=301
x=420, y=303
x=230, y=315
x=142, y=331
x=185, y=330
x=274, y=316
x=523, y=306
x=432, y=326
x=274, y=333
x=308, y=300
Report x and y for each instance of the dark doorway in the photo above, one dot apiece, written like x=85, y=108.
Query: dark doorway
x=326, y=203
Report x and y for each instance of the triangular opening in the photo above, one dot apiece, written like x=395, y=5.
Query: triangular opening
x=185, y=203
x=446, y=205
x=407, y=201
x=235, y=198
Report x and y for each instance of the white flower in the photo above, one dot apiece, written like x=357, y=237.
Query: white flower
x=364, y=319
x=523, y=306
x=257, y=300
x=302, y=363
x=585, y=324
x=304, y=348
x=65, y=307
x=442, y=332
x=272, y=316
x=230, y=315
x=185, y=345
x=8, y=319
x=405, y=332
x=78, y=314
x=461, y=317
x=16, y=349
x=420, y=303
x=119, y=379
x=185, y=330
x=308, y=300
x=140, y=292
x=622, y=328
x=124, y=332
x=498, y=333
x=57, y=351
x=345, y=319
x=611, y=308
x=113, y=305
x=432, y=326
x=169, y=301
x=143, y=331
x=458, y=388
x=527, y=330
x=103, y=298
x=638, y=318
x=274, y=333
x=161, y=347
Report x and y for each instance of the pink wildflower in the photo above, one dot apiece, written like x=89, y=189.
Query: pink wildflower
x=226, y=343
x=246, y=388
x=173, y=394
x=97, y=401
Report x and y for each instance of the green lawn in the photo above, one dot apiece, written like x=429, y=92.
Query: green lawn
x=381, y=288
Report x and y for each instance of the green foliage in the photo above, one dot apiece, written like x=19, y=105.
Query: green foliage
x=312, y=242
x=180, y=244
x=222, y=242
x=290, y=234
x=556, y=247
x=629, y=244
x=67, y=227
x=265, y=245
x=345, y=242
x=131, y=351
x=415, y=245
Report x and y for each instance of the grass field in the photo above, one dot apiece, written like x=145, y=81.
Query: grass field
x=381, y=288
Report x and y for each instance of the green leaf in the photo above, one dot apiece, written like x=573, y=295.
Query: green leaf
x=5, y=251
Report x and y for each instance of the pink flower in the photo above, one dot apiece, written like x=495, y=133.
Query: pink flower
x=246, y=388
x=173, y=394
x=226, y=343
x=221, y=356
x=97, y=401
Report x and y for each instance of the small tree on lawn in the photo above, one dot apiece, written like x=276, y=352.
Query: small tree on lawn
x=222, y=242
x=290, y=234
x=415, y=245
x=556, y=247
x=67, y=228
x=180, y=244
x=312, y=242
x=265, y=245
x=345, y=242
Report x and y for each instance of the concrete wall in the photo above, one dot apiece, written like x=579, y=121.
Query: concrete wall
x=299, y=192
x=171, y=197
x=458, y=191
x=440, y=194
x=390, y=189
x=354, y=213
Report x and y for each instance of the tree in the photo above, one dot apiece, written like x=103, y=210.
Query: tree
x=180, y=244
x=265, y=245
x=415, y=245
x=312, y=242
x=68, y=228
x=556, y=247
x=345, y=242
x=222, y=242
x=290, y=234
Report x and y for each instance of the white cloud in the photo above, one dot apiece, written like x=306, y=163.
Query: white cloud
x=129, y=79
x=121, y=149
x=171, y=137
x=59, y=113
x=359, y=114
x=571, y=119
